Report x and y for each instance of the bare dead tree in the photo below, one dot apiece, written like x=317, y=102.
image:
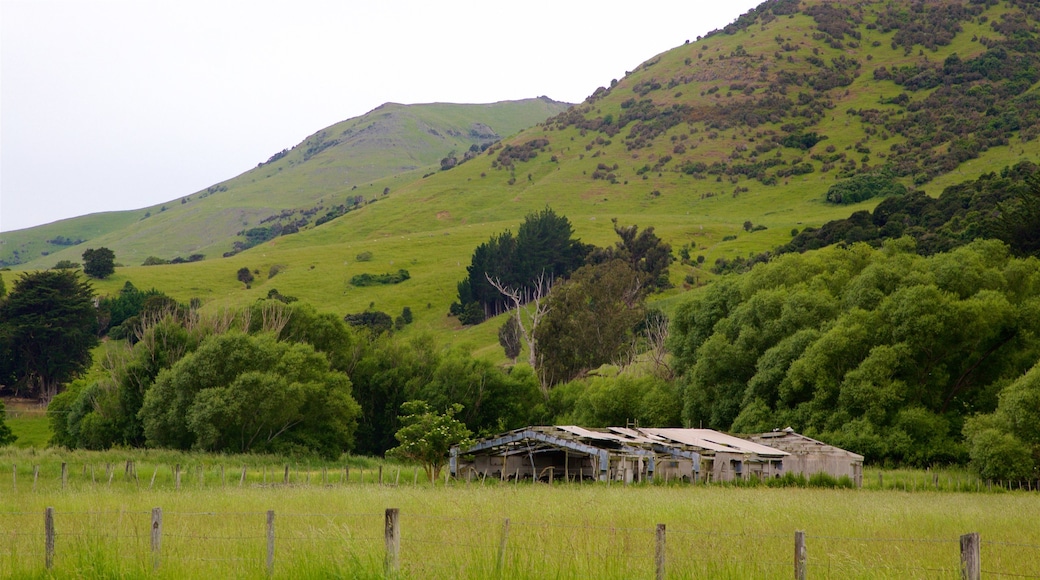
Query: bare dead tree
x=657, y=339
x=274, y=316
x=537, y=308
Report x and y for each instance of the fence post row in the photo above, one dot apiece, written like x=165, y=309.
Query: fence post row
x=971, y=547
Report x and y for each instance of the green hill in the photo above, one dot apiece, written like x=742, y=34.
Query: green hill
x=392, y=144
x=749, y=126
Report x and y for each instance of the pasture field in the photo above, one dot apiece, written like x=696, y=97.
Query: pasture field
x=214, y=526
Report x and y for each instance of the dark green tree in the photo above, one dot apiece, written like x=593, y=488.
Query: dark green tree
x=387, y=374
x=48, y=326
x=1021, y=218
x=6, y=436
x=642, y=250
x=543, y=249
x=99, y=263
x=510, y=339
x=245, y=276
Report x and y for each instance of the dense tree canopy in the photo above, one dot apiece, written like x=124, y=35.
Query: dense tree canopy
x=245, y=393
x=882, y=351
x=99, y=263
x=48, y=325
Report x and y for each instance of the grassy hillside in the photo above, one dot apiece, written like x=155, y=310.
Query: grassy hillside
x=391, y=145
x=692, y=142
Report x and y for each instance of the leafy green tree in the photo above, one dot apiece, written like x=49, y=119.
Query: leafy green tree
x=241, y=393
x=6, y=436
x=99, y=263
x=388, y=373
x=47, y=329
x=510, y=339
x=591, y=320
x=426, y=437
x=493, y=399
x=613, y=401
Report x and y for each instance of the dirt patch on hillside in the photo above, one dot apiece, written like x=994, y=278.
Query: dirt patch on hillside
x=443, y=215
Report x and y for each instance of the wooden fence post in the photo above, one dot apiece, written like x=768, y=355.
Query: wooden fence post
x=48, y=528
x=64, y=474
x=36, y=475
x=393, y=541
x=971, y=562
x=500, y=562
x=156, y=536
x=270, y=542
x=242, y=479
x=659, y=553
x=380, y=474
x=285, y=479
x=799, y=555
x=177, y=476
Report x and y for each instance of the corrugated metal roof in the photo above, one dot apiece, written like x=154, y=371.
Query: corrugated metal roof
x=714, y=441
x=635, y=436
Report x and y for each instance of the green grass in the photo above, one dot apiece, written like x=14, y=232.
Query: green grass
x=331, y=528
x=28, y=421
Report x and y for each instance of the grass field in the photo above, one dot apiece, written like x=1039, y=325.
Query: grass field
x=327, y=527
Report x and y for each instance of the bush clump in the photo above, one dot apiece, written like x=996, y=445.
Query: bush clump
x=863, y=187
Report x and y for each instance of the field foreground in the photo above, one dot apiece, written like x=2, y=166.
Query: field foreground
x=326, y=527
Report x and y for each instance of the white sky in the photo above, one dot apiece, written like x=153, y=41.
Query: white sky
x=116, y=104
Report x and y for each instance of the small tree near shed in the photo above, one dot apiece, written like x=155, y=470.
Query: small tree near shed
x=427, y=437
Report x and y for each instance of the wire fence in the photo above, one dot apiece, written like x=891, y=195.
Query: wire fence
x=391, y=543
x=150, y=475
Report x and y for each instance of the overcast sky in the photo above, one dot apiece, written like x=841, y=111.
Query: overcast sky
x=115, y=105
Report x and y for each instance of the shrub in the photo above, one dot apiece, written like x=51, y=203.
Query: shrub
x=863, y=187
x=364, y=257
x=380, y=279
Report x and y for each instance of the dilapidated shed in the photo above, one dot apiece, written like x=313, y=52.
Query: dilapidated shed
x=572, y=453
x=638, y=453
x=807, y=456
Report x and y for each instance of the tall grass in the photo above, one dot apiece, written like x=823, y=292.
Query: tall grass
x=334, y=528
